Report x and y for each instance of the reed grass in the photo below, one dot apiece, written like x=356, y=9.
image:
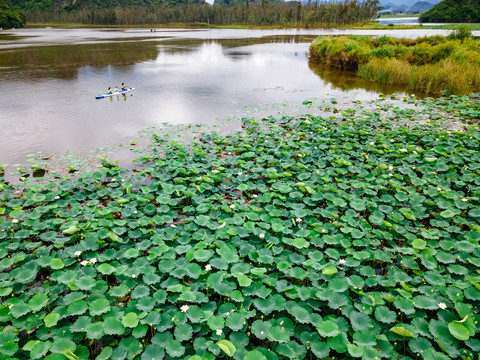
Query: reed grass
x=433, y=65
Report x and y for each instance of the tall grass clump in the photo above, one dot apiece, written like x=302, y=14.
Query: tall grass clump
x=386, y=71
x=430, y=64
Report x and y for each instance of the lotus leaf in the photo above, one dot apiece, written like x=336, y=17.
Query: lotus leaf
x=328, y=328
x=130, y=320
x=51, y=319
x=254, y=355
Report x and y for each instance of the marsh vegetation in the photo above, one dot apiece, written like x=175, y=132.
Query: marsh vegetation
x=353, y=235
x=433, y=65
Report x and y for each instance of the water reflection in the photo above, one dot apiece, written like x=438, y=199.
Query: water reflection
x=410, y=20
x=63, y=62
x=346, y=80
x=49, y=79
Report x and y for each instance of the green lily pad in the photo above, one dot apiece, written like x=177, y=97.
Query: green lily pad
x=130, y=320
x=254, y=355
x=51, y=319
x=99, y=306
x=402, y=331
x=106, y=269
x=227, y=347
x=327, y=328
x=174, y=348
x=329, y=270
x=113, y=326
x=459, y=331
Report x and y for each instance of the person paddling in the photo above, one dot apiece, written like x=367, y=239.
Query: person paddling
x=123, y=87
x=109, y=91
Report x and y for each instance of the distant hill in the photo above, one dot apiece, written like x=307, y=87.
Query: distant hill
x=407, y=7
x=453, y=11
x=421, y=7
x=408, y=3
x=397, y=8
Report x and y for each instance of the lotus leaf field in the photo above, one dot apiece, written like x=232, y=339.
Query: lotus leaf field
x=350, y=236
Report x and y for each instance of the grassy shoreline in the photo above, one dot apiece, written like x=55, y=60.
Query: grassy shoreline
x=369, y=26
x=431, y=65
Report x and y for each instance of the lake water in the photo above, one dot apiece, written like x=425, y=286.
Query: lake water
x=409, y=20
x=49, y=78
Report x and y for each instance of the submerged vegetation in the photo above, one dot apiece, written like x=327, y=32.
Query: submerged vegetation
x=432, y=65
x=354, y=235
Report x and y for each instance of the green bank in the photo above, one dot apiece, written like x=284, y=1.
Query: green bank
x=432, y=65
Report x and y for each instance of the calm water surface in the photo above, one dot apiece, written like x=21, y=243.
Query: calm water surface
x=49, y=79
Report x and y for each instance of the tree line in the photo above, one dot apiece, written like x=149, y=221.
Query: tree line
x=246, y=13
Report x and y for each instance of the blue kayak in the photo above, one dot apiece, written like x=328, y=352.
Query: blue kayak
x=120, y=92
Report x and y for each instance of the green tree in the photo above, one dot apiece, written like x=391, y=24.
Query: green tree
x=453, y=11
x=10, y=18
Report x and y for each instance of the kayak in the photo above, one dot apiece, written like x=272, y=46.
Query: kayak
x=120, y=92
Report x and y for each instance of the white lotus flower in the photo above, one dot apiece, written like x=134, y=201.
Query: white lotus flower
x=464, y=199
x=84, y=263
x=93, y=260
x=342, y=261
x=324, y=231
x=372, y=143
x=57, y=197
x=208, y=267
x=219, y=332
x=261, y=236
x=442, y=306
x=390, y=174
x=254, y=195
x=298, y=220
x=78, y=253
x=184, y=308
x=134, y=276
x=439, y=189
x=232, y=206
x=113, y=179
x=390, y=167
x=15, y=221
x=240, y=173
